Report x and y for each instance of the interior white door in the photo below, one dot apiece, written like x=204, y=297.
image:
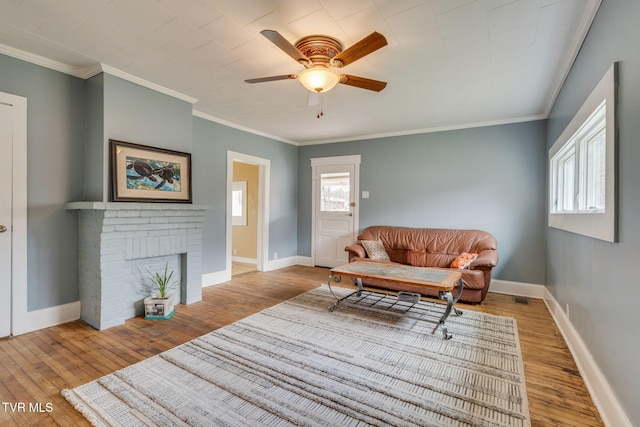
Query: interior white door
x=334, y=215
x=6, y=147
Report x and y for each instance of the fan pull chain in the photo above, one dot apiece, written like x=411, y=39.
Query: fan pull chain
x=320, y=112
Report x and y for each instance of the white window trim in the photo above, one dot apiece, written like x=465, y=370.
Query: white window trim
x=597, y=224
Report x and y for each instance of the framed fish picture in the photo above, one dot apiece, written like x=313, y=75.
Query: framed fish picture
x=147, y=174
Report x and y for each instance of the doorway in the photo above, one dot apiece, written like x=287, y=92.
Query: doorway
x=13, y=215
x=335, y=209
x=261, y=209
x=244, y=218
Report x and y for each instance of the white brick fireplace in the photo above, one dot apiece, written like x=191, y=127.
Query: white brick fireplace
x=119, y=243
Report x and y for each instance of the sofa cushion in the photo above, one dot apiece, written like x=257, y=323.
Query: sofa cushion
x=463, y=260
x=375, y=250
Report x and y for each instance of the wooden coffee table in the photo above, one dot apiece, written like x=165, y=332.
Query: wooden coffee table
x=403, y=277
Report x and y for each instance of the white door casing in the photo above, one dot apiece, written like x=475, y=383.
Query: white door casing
x=13, y=215
x=6, y=150
x=264, y=177
x=335, y=214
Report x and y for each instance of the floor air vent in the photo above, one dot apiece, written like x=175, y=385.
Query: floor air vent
x=521, y=300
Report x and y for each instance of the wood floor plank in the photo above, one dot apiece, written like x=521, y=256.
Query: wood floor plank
x=37, y=365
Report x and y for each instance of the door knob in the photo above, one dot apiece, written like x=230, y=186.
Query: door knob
x=3, y=229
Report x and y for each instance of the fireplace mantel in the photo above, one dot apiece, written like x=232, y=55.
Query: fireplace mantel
x=132, y=206
x=117, y=240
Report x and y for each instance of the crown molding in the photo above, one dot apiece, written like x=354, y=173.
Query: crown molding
x=369, y=136
x=90, y=71
x=578, y=39
x=94, y=69
x=428, y=130
x=243, y=128
x=145, y=83
x=40, y=60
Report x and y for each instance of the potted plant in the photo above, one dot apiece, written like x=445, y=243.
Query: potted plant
x=160, y=304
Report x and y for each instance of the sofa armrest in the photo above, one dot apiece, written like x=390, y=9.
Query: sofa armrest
x=356, y=250
x=486, y=259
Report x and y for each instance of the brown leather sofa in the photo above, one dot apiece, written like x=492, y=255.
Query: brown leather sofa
x=435, y=247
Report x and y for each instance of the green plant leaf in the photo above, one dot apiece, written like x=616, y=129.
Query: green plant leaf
x=161, y=281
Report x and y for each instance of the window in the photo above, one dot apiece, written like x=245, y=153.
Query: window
x=334, y=192
x=564, y=164
x=582, y=167
x=578, y=169
x=239, y=203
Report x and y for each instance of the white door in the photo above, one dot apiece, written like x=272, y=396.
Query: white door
x=335, y=213
x=6, y=147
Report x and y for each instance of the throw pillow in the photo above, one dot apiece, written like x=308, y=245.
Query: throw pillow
x=375, y=250
x=463, y=260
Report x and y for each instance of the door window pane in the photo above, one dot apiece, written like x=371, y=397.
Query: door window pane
x=334, y=192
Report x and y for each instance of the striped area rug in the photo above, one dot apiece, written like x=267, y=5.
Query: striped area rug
x=298, y=364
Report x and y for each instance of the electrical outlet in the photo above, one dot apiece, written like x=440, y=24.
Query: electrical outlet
x=566, y=309
x=235, y=252
x=275, y=255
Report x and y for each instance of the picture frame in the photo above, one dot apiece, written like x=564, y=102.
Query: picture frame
x=141, y=173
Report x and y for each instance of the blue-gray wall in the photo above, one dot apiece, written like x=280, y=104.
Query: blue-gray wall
x=55, y=150
x=136, y=114
x=489, y=178
x=94, y=142
x=121, y=110
x=210, y=146
x=598, y=279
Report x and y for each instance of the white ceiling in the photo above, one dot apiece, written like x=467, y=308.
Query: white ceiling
x=448, y=64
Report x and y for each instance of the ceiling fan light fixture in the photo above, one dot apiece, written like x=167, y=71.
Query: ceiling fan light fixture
x=319, y=79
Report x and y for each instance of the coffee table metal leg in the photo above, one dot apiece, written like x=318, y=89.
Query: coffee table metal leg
x=460, y=289
x=337, y=279
x=450, y=306
x=445, y=315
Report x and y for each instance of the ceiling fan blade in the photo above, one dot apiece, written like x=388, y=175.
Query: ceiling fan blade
x=362, y=82
x=364, y=47
x=272, y=78
x=277, y=39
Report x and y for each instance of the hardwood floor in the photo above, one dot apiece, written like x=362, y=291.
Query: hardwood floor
x=37, y=365
x=238, y=268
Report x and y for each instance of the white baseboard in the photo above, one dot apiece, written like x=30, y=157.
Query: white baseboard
x=601, y=393
x=611, y=411
x=288, y=262
x=216, y=278
x=52, y=316
x=244, y=260
x=517, y=288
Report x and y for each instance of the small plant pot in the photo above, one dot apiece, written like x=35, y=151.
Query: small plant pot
x=156, y=308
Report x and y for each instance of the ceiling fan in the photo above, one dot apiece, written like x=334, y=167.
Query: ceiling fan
x=320, y=56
